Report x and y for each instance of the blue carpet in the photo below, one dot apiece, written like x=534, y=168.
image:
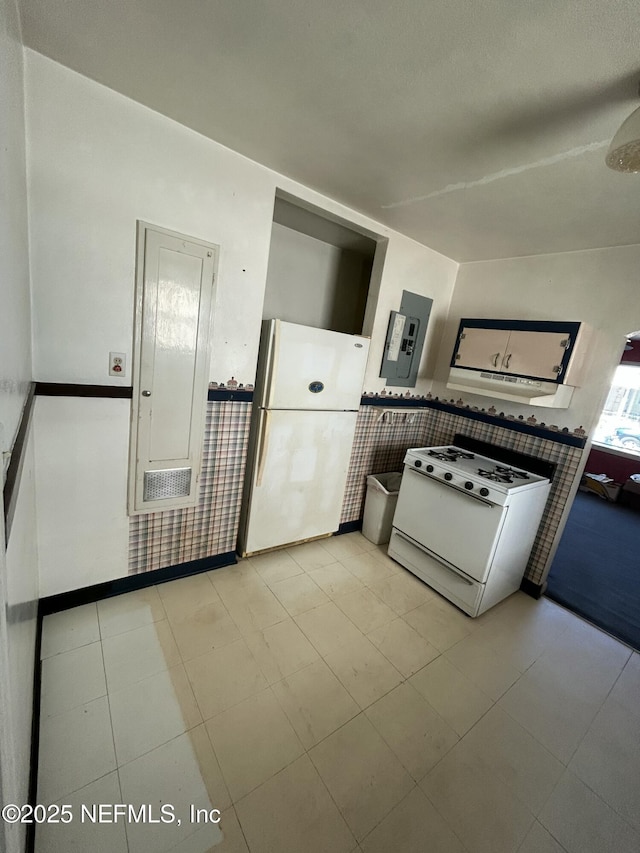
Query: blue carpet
x=596, y=571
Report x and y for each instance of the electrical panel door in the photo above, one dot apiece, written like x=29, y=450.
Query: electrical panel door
x=405, y=340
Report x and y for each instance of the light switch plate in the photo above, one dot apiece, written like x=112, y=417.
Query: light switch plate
x=117, y=364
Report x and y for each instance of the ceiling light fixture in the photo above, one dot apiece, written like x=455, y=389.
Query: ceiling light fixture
x=624, y=152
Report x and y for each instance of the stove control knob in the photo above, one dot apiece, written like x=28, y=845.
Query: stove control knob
x=418, y=463
x=468, y=485
x=448, y=476
x=429, y=468
x=484, y=492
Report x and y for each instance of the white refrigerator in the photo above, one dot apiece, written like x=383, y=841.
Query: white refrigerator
x=308, y=391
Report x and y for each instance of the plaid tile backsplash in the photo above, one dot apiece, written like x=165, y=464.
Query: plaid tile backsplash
x=382, y=436
x=380, y=445
x=160, y=539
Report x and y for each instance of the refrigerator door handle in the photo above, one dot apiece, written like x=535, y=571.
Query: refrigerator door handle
x=273, y=362
x=263, y=446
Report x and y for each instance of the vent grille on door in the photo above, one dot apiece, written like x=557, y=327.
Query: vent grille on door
x=169, y=483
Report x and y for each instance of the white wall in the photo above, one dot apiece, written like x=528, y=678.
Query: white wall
x=15, y=330
x=18, y=570
x=314, y=283
x=22, y=598
x=81, y=462
x=599, y=287
x=12, y=776
x=97, y=162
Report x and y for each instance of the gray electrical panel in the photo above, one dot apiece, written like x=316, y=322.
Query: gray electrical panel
x=405, y=340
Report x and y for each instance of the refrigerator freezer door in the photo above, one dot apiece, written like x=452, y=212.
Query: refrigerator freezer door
x=309, y=368
x=298, y=478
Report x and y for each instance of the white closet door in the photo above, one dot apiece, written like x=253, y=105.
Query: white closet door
x=175, y=280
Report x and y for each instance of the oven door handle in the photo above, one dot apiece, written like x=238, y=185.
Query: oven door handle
x=443, y=563
x=451, y=486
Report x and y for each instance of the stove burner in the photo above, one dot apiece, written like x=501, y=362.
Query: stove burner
x=496, y=476
x=451, y=454
x=519, y=475
x=503, y=474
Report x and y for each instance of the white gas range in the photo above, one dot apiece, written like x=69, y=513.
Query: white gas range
x=465, y=523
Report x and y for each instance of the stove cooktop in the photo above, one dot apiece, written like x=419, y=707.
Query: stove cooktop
x=502, y=474
x=473, y=466
x=449, y=454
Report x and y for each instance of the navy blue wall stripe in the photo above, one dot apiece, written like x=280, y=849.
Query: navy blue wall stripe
x=12, y=481
x=561, y=437
x=520, y=325
x=242, y=395
x=63, y=389
x=66, y=389
x=239, y=395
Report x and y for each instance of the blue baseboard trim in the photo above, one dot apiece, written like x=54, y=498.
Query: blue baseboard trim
x=349, y=527
x=89, y=594
x=535, y=590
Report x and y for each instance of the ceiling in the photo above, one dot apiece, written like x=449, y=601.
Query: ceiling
x=478, y=129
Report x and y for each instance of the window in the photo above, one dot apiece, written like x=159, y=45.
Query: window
x=619, y=424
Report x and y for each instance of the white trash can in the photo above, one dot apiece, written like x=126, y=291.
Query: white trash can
x=380, y=505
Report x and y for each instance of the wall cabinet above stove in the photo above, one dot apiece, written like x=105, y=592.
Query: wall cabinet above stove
x=525, y=361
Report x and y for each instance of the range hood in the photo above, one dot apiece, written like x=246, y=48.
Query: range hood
x=516, y=389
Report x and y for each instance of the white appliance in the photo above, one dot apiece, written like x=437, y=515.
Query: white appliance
x=306, y=402
x=465, y=523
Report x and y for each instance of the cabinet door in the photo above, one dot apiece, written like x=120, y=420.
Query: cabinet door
x=482, y=349
x=536, y=354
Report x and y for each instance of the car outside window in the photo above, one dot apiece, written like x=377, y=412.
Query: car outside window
x=619, y=424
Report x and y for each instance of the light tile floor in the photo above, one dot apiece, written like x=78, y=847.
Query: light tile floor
x=325, y=701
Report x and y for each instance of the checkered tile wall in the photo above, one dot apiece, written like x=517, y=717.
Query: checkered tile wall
x=160, y=539
x=379, y=447
x=382, y=437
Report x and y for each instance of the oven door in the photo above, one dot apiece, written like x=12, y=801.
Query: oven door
x=456, y=526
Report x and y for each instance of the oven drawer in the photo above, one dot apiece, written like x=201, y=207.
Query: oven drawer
x=461, y=590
